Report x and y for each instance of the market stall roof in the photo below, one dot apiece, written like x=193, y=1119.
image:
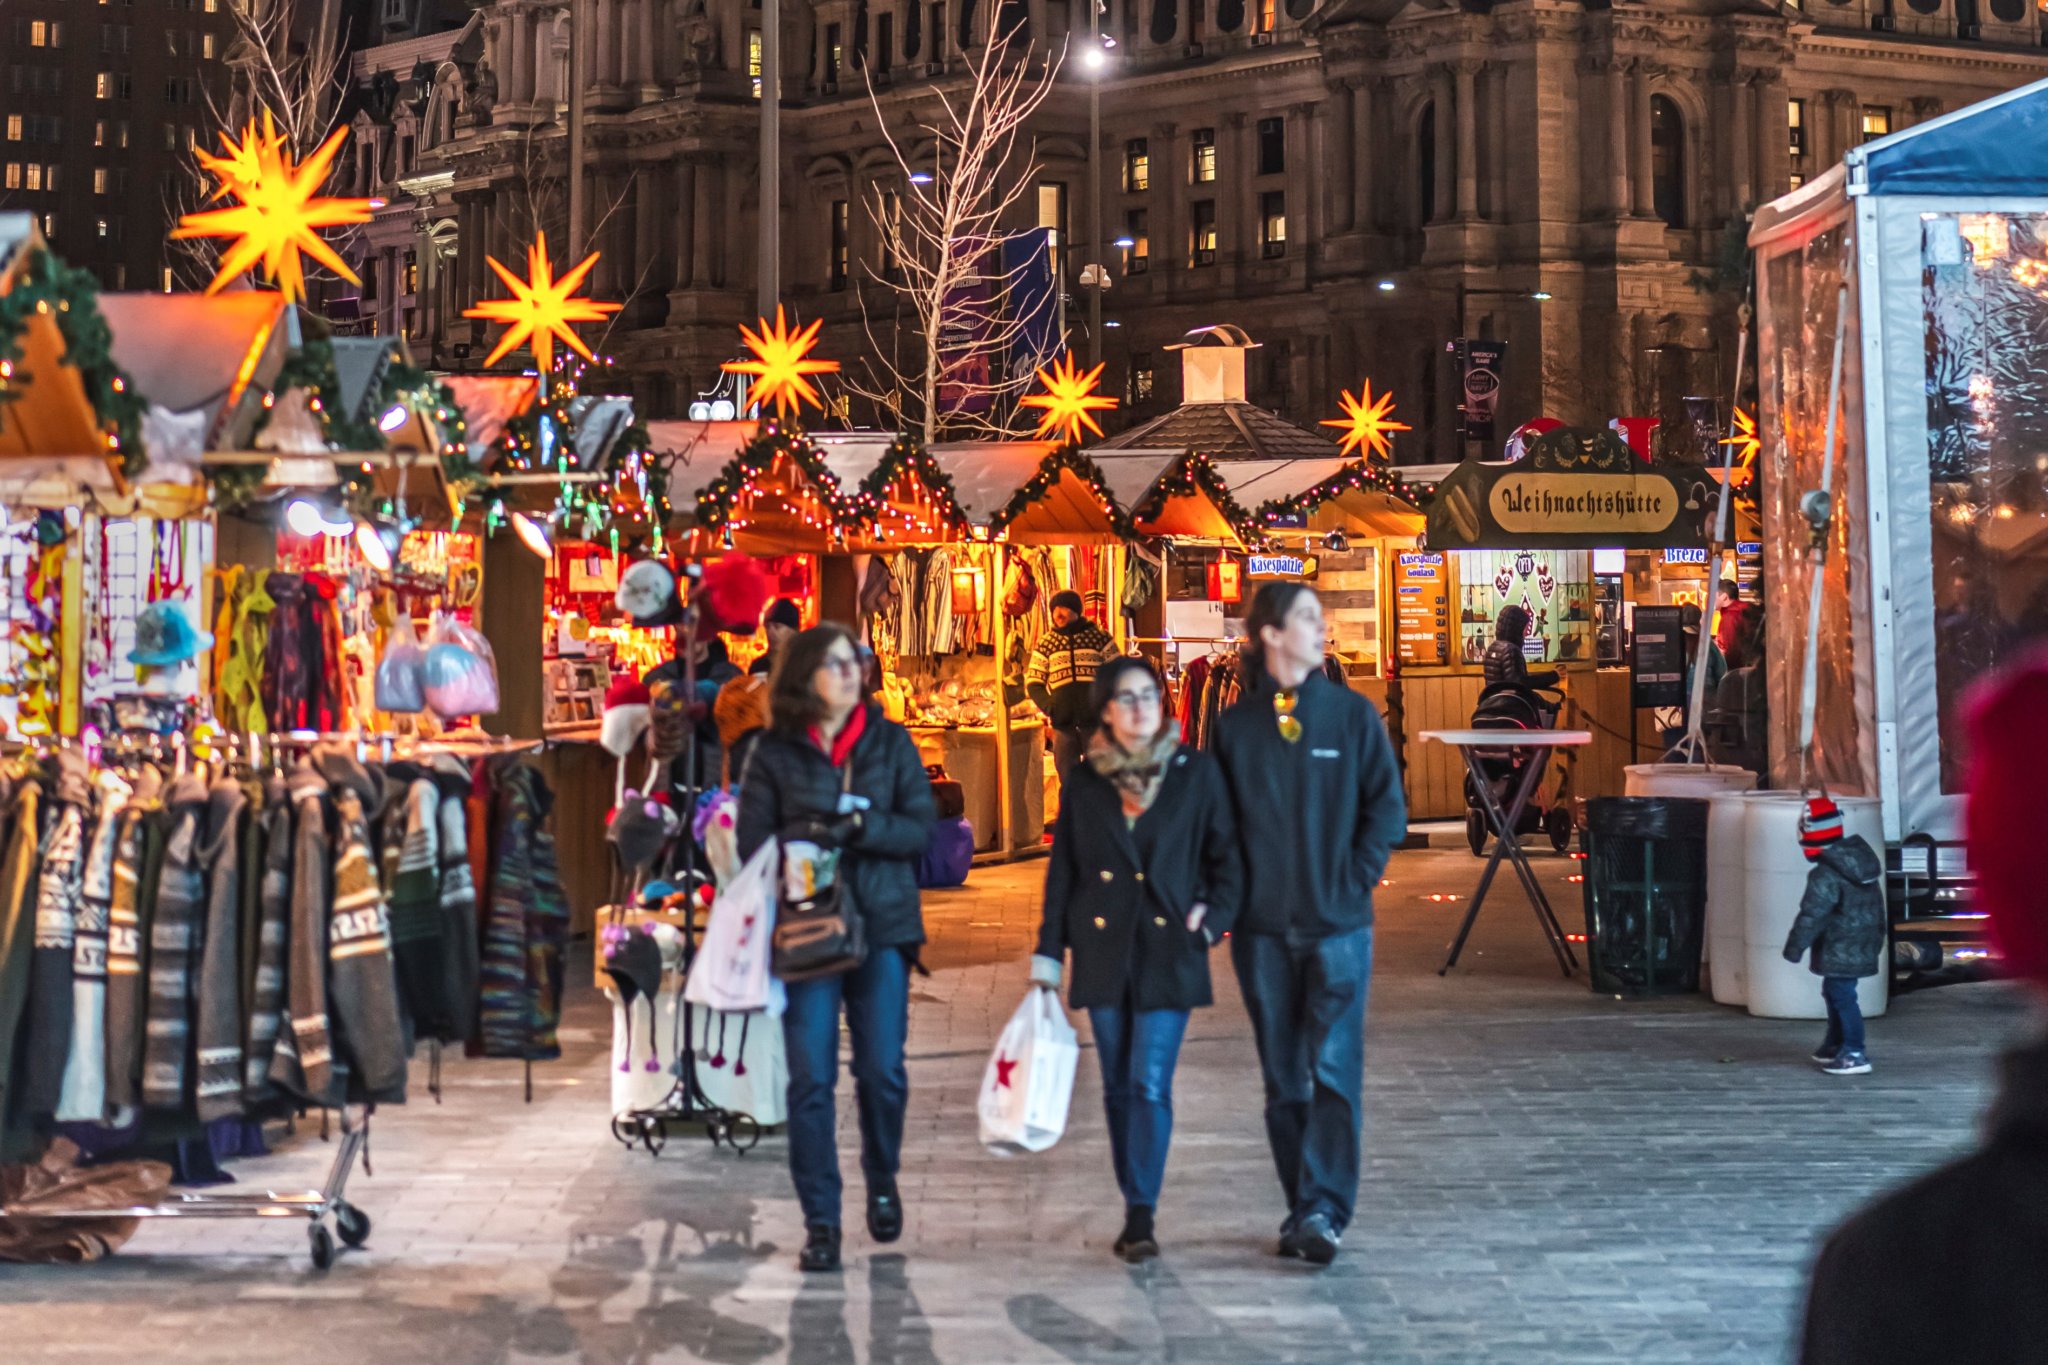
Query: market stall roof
x=1036, y=492
x=695, y=453
x=1174, y=492
x=1327, y=493
x=1224, y=431
x=489, y=404
x=46, y=416
x=914, y=505
x=210, y=354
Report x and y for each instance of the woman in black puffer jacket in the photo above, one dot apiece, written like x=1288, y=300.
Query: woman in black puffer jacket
x=796, y=785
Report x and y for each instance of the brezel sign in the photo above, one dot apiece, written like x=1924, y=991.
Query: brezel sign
x=1577, y=488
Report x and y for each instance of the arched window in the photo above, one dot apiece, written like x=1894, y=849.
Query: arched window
x=1667, y=161
x=1425, y=164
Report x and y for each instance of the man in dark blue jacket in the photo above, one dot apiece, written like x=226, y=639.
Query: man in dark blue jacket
x=1319, y=807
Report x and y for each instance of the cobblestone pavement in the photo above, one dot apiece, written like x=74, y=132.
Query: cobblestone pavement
x=1550, y=1176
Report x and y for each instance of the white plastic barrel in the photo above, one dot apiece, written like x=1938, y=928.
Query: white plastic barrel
x=1685, y=779
x=1727, y=936
x=1776, y=869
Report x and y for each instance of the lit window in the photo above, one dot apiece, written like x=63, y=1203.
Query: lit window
x=1202, y=234
x=1205, y=155
x=1138, y=383
x=1877, y=121
x=99, y=181
x=103, y=86
x=99, y=227
x=1138, y=255
x=1795, y=122
x=835, y=55
x=206, y=45
x=50, y=226
x=1263, y=15
x=99, y=133
x=1137, y=166
x=842, y=258
x=12, y=179
x=14, y=127
x=167, y=279
x=35, y=177
x=754, y=59
x=1273, y=223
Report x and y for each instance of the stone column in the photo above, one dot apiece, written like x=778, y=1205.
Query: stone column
x=644, y=69
x=1742, y=179
x=1639, y=160
x=705, y=272
x=684, y=205
x=1168, y=219
x=1446, y=148
x=1357, y=107
x=1236, y=207
x=1313, y=178
x=1467, y=75
x=650, y=244
x=1498, y=135
x=1617, y=136
x=1773, y=151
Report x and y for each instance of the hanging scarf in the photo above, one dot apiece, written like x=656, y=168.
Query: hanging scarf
x=1135, y=774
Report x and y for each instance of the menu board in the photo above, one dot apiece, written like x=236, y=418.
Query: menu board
x=1422, y=607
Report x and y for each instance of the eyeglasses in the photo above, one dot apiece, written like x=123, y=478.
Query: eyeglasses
x=1134, y=700
x=840, y=663
x=1283, y=711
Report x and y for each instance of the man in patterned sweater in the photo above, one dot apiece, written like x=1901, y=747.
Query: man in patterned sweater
x=1060, y=674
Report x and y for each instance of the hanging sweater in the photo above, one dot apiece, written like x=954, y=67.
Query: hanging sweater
x=176, y=923
x=17, y=938
x=126, y=993
x=274, y=908
x=84, y=1096
x=220, y=985
x=458, y=900
x=57, y=895
x=362, y=983
x=303, y=1061
x=418, y=941
x=526, y=926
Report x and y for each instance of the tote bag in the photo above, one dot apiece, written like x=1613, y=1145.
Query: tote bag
x=1030, y=1078
x=731, y=969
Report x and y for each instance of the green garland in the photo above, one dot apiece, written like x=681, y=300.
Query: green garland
x=771, y=438
x=1067, y=459
x=1194, y=475
x=1361, y=476
x=71, y=296
x=906, y=455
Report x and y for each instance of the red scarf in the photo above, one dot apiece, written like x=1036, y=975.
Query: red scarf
x=841, y=747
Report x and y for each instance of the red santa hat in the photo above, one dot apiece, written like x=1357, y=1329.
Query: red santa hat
x=2008, y=739
x=625, y=716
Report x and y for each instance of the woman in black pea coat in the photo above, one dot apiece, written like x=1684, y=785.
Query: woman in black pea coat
x=1144, y=878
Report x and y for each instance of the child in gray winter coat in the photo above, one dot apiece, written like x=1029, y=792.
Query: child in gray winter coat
x=1842, y=920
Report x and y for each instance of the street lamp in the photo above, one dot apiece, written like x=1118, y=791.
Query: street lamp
x=1095, y=277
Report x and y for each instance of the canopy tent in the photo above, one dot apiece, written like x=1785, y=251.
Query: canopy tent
x=1939, y=235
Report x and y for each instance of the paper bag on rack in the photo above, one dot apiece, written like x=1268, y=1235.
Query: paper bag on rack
x=731, y=970
x=1030, y=1078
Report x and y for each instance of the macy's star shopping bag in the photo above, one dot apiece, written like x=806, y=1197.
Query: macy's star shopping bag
x=731, y=970
x=1030, y=1078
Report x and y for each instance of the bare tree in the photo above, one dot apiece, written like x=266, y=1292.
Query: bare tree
x=966, y=162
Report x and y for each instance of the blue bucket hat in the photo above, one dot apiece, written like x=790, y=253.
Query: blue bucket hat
x=165, y=635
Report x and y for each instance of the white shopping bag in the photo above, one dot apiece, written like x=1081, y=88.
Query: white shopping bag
x=1030, y=1078
x=731, y=969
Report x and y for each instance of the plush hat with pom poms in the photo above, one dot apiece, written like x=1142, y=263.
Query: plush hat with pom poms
x=731, y=594
x=625, y=716
x=2008, y=740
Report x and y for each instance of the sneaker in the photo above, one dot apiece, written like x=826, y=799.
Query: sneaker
x=1823, y=1055
x=885, y=1215
x=821, y=1248
x=1137, y=1242
x=1313, y=1239
x=1848, y=1064
x=1287, y=1250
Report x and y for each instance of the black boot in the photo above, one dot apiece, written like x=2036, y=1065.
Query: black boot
x=821, y=1248
x=1137, y=1242
x=885, y=1214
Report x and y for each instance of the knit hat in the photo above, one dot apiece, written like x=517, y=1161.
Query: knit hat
x=2008, y=747
x=647, y=593
x=741, y=705
x=1065, y=597
x=641, y=828
x=1819, y=826
x=625, y=716
x=783, y=612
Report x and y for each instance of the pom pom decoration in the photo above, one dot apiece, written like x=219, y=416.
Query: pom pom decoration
x=732, y=593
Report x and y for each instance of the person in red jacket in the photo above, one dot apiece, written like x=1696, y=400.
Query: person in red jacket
x=1730, y=623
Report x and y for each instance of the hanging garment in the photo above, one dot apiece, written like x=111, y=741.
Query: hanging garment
x=58, y=884
x=418, y=944
x=219, y=1036
x=526, y=925
x=176, y=922
x=362, y=984
x=299, y=687
x=241, y=697
x=127, y=991
x=459, y=932
x=303, y=1059
x=17, y=936
x=274, y=908
x=84, y=1093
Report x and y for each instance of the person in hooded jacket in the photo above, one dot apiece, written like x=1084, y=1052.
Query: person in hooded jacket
x=1842, y=920
x=833, y=770
x=1144, y=878
x=1949, y=1267
x=1506, y=666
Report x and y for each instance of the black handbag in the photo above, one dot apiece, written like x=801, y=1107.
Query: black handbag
x=949, y=798
x=822, y=936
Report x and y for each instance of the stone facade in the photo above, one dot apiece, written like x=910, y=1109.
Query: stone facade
x=1353, y=183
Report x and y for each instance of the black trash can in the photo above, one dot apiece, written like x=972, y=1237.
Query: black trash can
x=1646, y=893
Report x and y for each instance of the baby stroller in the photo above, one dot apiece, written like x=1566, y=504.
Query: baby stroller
x=1515, y=708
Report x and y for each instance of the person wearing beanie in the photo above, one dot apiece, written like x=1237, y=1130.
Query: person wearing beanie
x=1842, y=921
x=1061, y=676
x=782, y=620
x=1967, y=1236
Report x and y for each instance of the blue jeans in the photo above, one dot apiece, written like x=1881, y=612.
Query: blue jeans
x=1137, y=1050
x=1845, y=1015
x=1307, y=1003
x=877, y=999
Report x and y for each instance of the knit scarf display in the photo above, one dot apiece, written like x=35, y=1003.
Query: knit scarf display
x=1135, y=774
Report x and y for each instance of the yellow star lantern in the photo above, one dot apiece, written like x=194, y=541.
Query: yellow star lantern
x=782, y=365
x=1746, y=443
x=1069, y=404
x=1368, y=423
x=279, y=212
x=542, y=308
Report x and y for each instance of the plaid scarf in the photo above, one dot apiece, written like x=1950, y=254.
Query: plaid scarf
x=1136, y=775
